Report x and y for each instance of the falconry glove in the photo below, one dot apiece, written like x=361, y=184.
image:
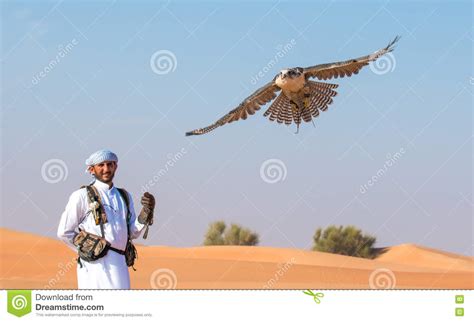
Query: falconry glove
x=146, y=214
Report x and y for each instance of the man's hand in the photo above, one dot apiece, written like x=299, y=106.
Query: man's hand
x=148, y=203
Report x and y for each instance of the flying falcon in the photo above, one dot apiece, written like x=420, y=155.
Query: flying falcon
x=300, y=97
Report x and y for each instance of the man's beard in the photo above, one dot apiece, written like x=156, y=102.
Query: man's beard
x=105, y=181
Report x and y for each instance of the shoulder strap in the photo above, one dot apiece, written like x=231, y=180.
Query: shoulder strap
x=124, y=195
x=93, y=196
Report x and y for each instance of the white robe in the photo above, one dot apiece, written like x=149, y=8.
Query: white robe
x=110, y=271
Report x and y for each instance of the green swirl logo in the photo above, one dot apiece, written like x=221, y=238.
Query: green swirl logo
x=19, y=302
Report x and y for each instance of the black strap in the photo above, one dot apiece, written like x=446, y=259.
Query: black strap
x=79, y=261
x=121, y=252
x=124, y=195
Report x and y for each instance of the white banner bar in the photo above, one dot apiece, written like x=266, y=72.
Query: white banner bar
x=237, y=305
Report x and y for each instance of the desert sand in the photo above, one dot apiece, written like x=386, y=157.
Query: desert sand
x=35, y=262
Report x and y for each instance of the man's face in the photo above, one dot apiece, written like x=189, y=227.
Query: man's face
x=104, y=171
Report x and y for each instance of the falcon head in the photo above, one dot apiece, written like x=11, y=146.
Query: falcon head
x=291, y=73
x=291, y=79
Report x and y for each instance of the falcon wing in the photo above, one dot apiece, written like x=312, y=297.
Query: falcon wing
x=348, y=67
x=251, y=104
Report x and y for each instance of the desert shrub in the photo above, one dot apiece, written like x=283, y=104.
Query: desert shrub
x=214, y=234
x=347, y=240
x=217, y=234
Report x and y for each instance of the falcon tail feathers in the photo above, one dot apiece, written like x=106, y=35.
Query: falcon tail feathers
x=285, y=110
x=280, y=110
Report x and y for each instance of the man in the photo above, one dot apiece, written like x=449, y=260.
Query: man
x=110, y=271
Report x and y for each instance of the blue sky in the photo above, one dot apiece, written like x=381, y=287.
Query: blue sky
x=78, y=76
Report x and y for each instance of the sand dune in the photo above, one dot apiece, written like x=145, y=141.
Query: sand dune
x=426, y=257
x=32, y=261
